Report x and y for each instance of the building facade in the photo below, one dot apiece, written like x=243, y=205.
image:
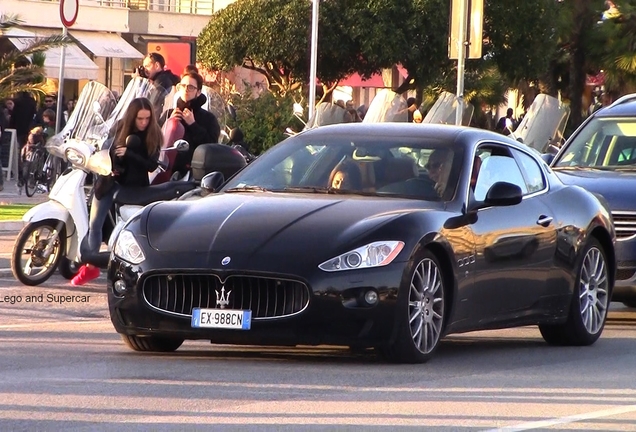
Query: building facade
x=111, y=37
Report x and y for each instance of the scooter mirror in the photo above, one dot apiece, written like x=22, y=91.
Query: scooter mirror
x=181, y=145
x=298, y=109
x=210, y=183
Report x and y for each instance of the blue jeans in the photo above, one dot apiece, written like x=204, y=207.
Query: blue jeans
x=99, y=213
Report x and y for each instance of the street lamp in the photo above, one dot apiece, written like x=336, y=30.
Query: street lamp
x=314, y=57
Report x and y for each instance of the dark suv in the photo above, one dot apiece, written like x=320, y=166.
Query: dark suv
x=601, y=157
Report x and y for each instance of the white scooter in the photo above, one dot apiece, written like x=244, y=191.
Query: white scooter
x=55, y=229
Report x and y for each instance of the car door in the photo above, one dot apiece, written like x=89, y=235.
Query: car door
x=514, y=245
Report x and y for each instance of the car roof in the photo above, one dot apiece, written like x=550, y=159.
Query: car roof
x=623, y=107
x=450, y=133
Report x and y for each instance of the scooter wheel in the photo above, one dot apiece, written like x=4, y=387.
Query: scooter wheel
x=30, y=262
x=68, y=269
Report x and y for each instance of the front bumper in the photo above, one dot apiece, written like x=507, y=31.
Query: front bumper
x=625, y=285
x=335, y=311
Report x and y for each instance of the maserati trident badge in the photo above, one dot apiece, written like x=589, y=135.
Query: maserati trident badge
x=222, y=299
x=226, y=260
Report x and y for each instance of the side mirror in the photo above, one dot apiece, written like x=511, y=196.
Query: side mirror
x=181, y=145
x=503, y=194
x=547, y=157
x=210, y=183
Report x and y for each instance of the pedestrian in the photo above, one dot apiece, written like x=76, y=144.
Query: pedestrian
x=154, y=68
x=200, y=126
x=134, y=154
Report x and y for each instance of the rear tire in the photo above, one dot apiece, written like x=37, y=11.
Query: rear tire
x=421, y=313
x=152, y=343
x=31, y=247
x=589, y=304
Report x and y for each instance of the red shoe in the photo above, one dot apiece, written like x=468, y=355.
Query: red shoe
x=85, y=275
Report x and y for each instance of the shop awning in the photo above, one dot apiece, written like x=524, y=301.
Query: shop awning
x=106, y=44
x=77, y=65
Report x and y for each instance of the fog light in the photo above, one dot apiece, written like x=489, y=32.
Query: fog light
x=119, y=286
x=371, y=297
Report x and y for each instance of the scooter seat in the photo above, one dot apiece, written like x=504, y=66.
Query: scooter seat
x=145, y=195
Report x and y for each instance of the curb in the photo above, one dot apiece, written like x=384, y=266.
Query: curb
x=11, y=225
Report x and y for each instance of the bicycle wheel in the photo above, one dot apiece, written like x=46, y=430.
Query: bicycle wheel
x=53, y=170
x=30, y=184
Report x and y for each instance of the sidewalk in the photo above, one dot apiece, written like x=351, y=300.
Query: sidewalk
x=11, y=195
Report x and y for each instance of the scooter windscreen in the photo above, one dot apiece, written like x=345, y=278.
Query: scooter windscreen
x=86, y=124
x=386, y=106
x=444, y=111
x=138, y=87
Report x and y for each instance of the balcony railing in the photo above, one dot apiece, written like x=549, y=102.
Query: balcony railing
x=197, y=7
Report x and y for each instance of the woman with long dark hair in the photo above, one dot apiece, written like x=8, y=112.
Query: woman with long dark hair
x=134, y=154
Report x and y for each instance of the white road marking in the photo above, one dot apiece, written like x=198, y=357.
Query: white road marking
x=51, y=323
x=567, y=420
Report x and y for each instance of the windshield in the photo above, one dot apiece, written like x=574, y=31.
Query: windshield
x=365, y=165
x=607, y=143
x=87, y=121
x=544, y=123
x=386, y=106
x=444, y=110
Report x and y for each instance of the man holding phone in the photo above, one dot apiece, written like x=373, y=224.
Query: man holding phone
x=154, y=68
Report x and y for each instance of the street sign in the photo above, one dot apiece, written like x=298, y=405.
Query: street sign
x=473, y=20
x=68, y=12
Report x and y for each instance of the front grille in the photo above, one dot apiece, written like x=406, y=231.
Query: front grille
x=265, y=297
x=625, y=224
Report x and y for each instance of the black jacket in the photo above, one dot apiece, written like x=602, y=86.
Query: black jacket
x=204, y=130
x=163, y=82
x=132, y=169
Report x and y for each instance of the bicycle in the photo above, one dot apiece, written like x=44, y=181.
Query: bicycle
x=41, y=171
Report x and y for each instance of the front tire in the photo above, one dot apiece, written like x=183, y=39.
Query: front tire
x=152, y=343
x=420, y=312
x=31, y=264
x=589, y=305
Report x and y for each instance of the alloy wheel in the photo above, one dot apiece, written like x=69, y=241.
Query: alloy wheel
x=593, y=290
x=426, y=306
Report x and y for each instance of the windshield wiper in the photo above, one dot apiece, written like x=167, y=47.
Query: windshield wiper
x=247, y=189
x=314, y=189
x=324, y=190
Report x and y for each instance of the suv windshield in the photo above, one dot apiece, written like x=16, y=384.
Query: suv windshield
x=607, y=143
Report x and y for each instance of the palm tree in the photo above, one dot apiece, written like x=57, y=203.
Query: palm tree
x=23, y=70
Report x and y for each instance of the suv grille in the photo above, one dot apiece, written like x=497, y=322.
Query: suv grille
x=625, y=224
x=266, y=297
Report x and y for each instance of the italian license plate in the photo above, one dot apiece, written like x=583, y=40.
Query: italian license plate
x=222, y=318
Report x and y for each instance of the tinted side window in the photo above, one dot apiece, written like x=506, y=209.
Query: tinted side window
x=532, y=170
x=497, y=167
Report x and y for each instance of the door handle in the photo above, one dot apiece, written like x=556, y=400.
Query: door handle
x=544, y=220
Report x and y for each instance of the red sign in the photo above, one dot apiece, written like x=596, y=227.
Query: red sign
x=177, y=54
x=68, y=12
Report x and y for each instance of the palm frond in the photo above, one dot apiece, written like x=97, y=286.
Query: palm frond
x=8, y=21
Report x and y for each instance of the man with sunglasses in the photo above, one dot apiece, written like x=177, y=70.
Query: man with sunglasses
x=200, y=126
x=436, y=167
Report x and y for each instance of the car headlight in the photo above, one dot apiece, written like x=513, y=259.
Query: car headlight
x=127, y=248
x=374, y=254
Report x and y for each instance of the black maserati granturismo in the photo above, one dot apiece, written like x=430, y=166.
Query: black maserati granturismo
x=388, y=236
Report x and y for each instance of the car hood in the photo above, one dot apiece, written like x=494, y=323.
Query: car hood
x=248, y=223
x=617, y=187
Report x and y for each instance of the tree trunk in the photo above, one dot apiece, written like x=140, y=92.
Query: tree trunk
x=583, y=19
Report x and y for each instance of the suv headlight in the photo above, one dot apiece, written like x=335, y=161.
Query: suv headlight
x=127, y=248
x=374, y=254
